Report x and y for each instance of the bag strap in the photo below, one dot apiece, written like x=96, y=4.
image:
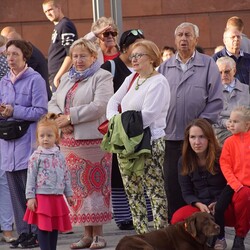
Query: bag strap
x=112, y=64
x=133, y=79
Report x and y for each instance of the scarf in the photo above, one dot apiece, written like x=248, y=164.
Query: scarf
x=14, y=77
x=75, y=76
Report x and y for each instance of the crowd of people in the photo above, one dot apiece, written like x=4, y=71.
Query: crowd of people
x=177, y=141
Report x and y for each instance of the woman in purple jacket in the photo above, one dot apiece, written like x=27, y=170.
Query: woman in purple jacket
x=23, y=97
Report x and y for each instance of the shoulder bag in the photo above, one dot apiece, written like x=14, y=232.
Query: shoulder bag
x=103, y=128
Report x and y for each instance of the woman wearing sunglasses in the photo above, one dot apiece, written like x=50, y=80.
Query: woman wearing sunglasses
x=149, y=96
x=104, y=32
x=120, y=68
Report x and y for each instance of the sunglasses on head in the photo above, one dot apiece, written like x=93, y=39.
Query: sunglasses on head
x=107, y=33
x=136, y=33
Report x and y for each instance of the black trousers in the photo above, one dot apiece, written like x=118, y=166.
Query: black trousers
x=220, y=208
x=173, y=189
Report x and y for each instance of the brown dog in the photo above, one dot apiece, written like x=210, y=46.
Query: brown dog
x=191, y=234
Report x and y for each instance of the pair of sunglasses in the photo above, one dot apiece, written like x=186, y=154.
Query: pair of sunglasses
x=136, y=33
x=112, y=33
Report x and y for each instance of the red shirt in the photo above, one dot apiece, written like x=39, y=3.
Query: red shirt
x=235, y=160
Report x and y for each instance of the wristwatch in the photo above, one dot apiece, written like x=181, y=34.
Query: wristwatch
x=68, y=118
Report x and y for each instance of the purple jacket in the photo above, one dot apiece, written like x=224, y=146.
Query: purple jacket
x=195, y=93
x=28, y=96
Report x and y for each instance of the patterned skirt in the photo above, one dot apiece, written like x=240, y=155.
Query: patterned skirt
x=90, y=170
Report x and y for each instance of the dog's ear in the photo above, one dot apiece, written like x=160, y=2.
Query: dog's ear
x=190, y=224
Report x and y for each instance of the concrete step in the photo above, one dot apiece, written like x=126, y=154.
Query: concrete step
x=112, y=235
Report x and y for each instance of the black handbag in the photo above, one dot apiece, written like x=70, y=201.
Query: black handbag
x=10, y=130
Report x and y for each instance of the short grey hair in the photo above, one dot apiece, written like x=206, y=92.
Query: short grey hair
x=226, y=60
x=182, y=25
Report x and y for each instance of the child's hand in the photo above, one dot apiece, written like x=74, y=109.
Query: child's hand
x=228, y=123
x=70, y=200
x=32, y=204
x=212, y=207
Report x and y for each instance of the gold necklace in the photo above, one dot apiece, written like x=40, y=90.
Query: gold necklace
x=139, y=84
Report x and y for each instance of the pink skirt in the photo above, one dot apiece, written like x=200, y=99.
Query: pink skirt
x=52, y=213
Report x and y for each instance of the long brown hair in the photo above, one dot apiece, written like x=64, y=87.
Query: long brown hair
x=190, y=158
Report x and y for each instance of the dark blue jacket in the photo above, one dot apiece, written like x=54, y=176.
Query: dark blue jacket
x=242, y=65
x=201, y=186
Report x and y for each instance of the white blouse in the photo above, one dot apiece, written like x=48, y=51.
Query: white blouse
x=152, y=98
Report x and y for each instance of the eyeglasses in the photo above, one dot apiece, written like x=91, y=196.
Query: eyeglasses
x=136, y=56
x=233, y=37
x=112, y=33
x=226, y=72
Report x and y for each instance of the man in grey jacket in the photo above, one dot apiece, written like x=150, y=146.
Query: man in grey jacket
x=196, y=92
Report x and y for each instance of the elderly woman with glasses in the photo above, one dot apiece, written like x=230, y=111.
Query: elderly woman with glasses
x=235, y=94
x=120, y=68
x=147, y=100
x=104, y=33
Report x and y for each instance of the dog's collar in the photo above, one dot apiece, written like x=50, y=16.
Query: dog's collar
x=186, y=229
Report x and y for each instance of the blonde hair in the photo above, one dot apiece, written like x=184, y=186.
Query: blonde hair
x=3, y=40
x=152, y=51
x=103, y=22
x=83, y=43
x=48, y=120
x=244, y=112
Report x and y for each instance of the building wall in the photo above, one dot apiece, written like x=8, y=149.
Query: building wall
x=157, y=18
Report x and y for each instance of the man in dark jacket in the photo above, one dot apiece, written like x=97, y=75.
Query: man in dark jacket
x=232, y=40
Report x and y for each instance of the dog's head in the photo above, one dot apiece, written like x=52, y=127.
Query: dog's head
x=201, y=225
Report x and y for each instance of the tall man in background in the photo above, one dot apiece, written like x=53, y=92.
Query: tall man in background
x=63, y=36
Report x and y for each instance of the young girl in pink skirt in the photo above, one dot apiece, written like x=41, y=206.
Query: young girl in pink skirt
x=47, y=182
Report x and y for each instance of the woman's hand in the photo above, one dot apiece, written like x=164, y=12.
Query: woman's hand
x=70, y=200
x=63, y=121
x=32, y=204
x=2, y=107
x=68, y=129
x=6, y=110
x=99, y=32
x=202, y=207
